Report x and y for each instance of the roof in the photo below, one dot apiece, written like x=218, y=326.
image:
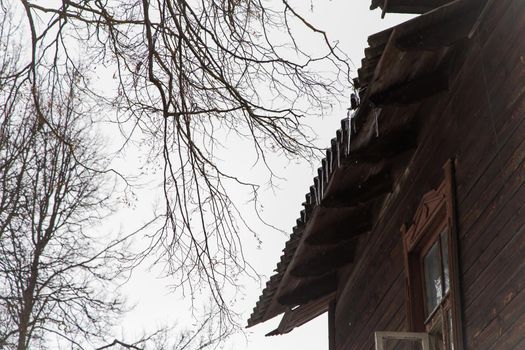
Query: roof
x=407, y=6
x=403, y=66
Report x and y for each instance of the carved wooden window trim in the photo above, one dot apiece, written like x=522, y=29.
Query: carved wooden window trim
x=435, y=215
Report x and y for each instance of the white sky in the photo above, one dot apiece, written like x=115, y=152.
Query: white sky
x=349, y=22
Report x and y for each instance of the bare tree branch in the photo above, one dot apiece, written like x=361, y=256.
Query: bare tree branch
x=189, y=77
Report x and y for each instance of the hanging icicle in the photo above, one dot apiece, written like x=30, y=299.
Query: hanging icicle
x=349, y=115
x=354, y=104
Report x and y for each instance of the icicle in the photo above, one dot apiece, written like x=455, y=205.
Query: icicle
x=349, y=116
x=354, y=105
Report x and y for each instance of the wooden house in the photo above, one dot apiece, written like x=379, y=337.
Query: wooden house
x=415, y=224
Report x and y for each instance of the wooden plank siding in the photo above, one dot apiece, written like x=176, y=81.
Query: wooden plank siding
x=480, y=122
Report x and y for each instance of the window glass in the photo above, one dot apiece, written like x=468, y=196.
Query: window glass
x=433, y=284
x=444, y=251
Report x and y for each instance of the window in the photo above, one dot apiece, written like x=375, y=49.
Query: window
x=401, y=341
x=436, y=288
x=431, y=267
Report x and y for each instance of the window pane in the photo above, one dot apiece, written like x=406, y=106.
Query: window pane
x=433, y=285
x=444, y=248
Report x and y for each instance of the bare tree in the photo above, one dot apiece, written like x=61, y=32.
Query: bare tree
x=56, y=276
x=188, y=74
x=204, y=334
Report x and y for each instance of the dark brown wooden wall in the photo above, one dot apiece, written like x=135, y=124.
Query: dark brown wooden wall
x=480, y=123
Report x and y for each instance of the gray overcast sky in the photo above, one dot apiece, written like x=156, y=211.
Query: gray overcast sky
x=350, y=23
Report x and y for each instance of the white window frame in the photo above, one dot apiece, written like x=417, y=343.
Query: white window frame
x=380, y=338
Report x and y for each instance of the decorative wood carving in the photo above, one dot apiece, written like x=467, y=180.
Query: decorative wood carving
x=429, y=207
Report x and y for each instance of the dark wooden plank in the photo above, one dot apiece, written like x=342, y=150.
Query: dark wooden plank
x=372, y=187
x=379, y=38
x=308, y=291
x=378, y=316
x=325, y=260
x=447, y=32
x=473, y=123
x=492, y=192
x=376, y=3
x=380, y=270
x=354, y=223
x=308, y=206
x=374, y=52
x=407, y=6
x=298, y=316
x=384, y=147
x=509, y=101
x=506, y=324
x=514, y=338
x=505, y=72
x=496, y=226
x=496, y=16
x=414, y=90
x=497, y=284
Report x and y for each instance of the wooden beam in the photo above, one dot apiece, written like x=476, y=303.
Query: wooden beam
x=375, y=4
x=379, y=38
x=305, y=292
x=298, y=316
x=352, y=224
x=385, y=146
x=413, y=90
x=374, y=52
x=410, y=6
x=362, y=192
x=327, y=260
x=367, y=69
x=446, y=32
